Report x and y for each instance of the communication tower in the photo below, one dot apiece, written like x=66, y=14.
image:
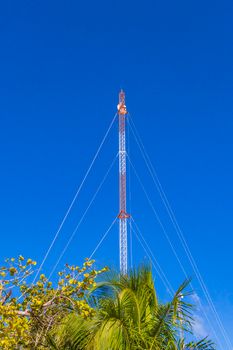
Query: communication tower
x=123, y=216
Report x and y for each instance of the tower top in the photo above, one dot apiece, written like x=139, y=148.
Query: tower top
x=121, y=107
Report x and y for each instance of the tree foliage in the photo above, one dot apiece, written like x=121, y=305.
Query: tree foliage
x=129, y=316
x=29, y=311
x=78, y=313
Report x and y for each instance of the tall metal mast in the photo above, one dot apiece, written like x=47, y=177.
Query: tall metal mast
x=123, y=216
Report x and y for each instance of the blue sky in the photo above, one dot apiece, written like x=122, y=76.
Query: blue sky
x=62, y=64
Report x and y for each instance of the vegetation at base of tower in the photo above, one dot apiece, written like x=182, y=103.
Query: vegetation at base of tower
x=129, y=316
x=80, y=313
x=29, y=311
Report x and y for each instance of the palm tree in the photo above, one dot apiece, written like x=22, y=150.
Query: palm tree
x=129, y=317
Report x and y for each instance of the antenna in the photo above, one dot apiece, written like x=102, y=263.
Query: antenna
x=123, y=216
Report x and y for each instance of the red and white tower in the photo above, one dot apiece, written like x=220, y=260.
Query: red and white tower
x=123, y=216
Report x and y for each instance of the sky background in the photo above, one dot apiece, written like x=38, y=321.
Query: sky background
x=62, y=64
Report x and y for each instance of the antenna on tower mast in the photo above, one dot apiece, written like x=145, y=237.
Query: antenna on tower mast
x=123, y=216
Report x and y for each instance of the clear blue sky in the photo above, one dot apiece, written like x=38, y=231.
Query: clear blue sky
x=62, y=64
